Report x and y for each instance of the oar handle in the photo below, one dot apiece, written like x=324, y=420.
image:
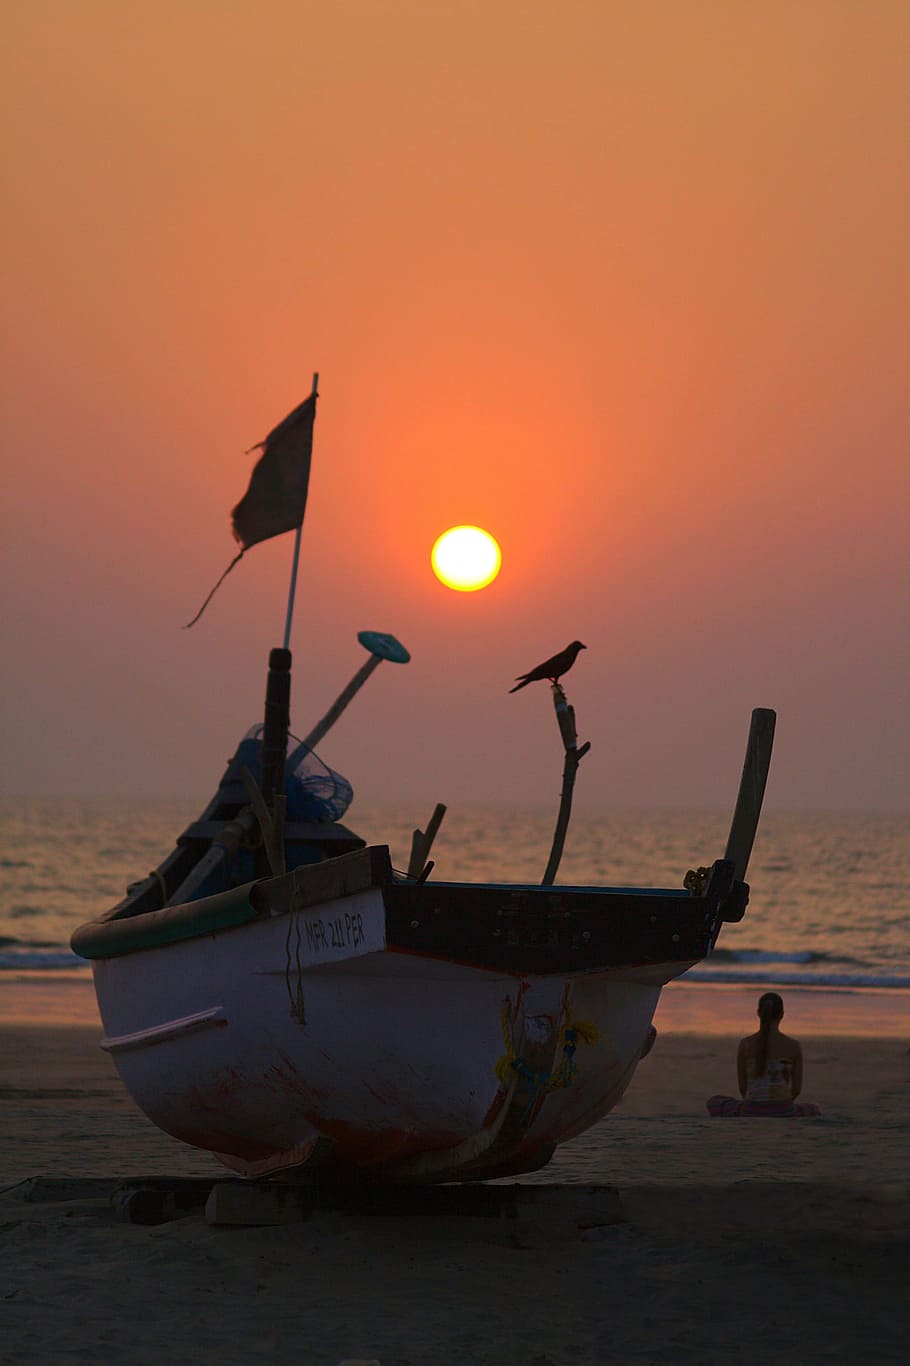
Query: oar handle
x=338, y=706
x=381, y=646
x=757, y=762
x=229, y=839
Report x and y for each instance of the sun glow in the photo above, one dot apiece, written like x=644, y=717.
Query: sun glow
x=466, y=558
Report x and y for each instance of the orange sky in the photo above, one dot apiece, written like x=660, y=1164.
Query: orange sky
x=625, y=283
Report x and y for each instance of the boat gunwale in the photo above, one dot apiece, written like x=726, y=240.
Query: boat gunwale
x=118, y=933
x=124, y=931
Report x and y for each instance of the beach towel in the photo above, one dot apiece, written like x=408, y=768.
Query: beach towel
x=728, y=1107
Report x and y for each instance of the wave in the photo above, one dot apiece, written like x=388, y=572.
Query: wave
x=766, y=956
x=50, y=959
x=9, y=941
x=780, y=956
x=798, y=979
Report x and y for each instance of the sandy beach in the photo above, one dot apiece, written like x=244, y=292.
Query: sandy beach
x=740, y=1240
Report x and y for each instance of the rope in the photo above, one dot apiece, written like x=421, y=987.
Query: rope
x=295, y=994
x=696, y=881
x=217, y=586
x=574, y=1031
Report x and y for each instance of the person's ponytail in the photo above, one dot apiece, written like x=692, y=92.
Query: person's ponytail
x=770, y=1010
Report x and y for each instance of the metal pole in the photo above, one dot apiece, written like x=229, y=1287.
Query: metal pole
x=293, y=588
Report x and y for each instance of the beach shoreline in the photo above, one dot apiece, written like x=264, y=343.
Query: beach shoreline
x=64, y=998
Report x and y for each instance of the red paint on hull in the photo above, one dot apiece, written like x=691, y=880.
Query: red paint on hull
x=369, y=1148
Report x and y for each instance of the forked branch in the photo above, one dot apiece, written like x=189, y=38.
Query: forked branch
x=565, y=716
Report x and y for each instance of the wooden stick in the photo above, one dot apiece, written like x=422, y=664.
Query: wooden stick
x=271, y=825
x=235, y=831
x=565, y=716
x=751, y=790
x=416, y=861
x=421, y=843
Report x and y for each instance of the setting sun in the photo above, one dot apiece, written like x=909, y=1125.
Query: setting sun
x=466, y=558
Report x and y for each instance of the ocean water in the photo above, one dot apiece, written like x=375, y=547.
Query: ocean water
x=830, y=902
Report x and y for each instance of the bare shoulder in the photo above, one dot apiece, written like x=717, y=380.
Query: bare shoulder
x=791, y=1046
x=747, y=1045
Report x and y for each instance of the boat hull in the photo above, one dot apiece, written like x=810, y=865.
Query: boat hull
x=241, y=1043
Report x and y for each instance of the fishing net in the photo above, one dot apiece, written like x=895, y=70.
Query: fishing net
x=315, y=784
x=314, y=791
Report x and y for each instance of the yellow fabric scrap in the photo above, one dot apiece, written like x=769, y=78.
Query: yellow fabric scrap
x=585, y=1032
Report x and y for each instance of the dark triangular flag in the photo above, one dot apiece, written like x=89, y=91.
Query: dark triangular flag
x=275, y=500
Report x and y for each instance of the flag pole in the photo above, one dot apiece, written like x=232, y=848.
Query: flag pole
x=296, y=561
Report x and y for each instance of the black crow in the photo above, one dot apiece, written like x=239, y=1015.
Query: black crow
x=554, y=668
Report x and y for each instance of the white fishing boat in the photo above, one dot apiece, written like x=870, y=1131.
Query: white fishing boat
x=277, y=994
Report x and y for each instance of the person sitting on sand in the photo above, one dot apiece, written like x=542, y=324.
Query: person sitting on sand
x=769, y=1067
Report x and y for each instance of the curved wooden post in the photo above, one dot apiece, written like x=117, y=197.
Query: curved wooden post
x=751, y=793
x=565, y=716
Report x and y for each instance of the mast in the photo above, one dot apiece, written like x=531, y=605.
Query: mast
x=277, y=717
x=292, y=591
x=276, y=724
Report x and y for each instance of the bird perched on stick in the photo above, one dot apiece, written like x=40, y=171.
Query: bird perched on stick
x=554, y=668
